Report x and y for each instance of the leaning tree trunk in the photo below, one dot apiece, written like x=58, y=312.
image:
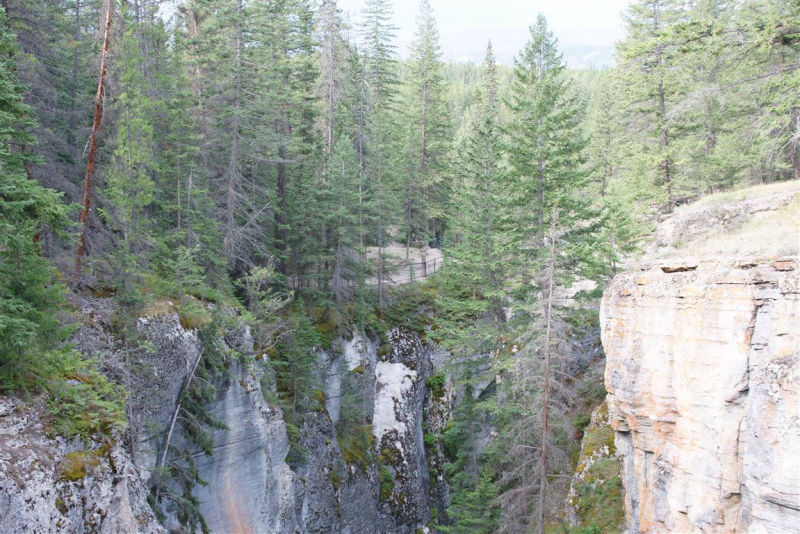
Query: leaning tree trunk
x=98, y=115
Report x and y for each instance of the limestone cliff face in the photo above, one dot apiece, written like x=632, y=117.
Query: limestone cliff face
x=703, y=380
x=48, y=484
x=253, y=487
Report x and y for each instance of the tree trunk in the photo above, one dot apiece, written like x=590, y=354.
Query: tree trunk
x=794, y=144
x=74, y=89
x=98, y=115
x=280, y=213
x=546, y=388
x=233, y=165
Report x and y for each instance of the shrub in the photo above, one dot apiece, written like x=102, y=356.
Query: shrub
x=82, y=401
x=436, y=384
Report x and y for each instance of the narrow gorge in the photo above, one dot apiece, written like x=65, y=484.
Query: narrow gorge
x=324, y=267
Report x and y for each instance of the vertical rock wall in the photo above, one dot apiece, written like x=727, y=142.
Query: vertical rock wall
x=703, y=376
x=251, y=487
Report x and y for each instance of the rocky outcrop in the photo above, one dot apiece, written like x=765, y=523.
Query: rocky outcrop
x=253, y=482
x=703, y=376
x=49, y=484
x=397, y=427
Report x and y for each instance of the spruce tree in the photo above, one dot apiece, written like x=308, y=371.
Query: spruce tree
x=426, y=189
x=653, y=88
x=556, y=243
x=29, y=296
x=380, y=77
x=474, y=274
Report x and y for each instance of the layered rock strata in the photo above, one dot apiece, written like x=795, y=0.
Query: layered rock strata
x=703, y=376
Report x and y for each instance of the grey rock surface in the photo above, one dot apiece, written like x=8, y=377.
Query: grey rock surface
x=251, y=487
x=53, y=485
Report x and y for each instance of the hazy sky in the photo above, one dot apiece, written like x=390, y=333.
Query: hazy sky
x=465, y=26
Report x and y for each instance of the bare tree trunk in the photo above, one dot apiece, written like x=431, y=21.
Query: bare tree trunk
x=546, y=390
x=98, y=115
x=75, y=67
x=233, y=165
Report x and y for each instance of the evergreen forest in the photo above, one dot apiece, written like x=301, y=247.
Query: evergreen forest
x=266, y=161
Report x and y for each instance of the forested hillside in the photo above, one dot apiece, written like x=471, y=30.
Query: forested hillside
x=264, y=160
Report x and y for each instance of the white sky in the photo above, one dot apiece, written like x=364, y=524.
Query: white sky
x=465, y=26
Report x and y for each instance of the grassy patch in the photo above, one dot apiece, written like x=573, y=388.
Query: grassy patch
x=770, y=233
x=738, y=195
x=387, y=482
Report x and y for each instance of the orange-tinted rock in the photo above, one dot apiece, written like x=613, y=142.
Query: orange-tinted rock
x=703, y=375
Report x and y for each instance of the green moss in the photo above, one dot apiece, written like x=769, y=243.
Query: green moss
x=61, y=506
x=359, y=369
x=193, y=314
x=76, y=465
x=387, y=482
x=430, y=439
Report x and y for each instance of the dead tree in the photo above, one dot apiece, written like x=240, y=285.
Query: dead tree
x=98, y=116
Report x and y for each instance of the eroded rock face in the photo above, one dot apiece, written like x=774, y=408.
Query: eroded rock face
x=52, y=485
x=703, y=376
x=250, y=486
x=397, y=427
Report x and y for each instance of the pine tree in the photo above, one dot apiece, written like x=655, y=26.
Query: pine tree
x=426, y=189
x=29, y=296
x=380, y=78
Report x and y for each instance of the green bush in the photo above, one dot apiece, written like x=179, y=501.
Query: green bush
x=436, y=383
x=82, y=401
x=355, y=442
